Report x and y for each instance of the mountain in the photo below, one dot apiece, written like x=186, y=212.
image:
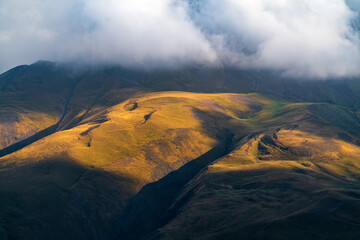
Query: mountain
x=196, y=153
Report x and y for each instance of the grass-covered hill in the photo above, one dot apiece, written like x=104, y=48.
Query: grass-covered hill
x=113, y=153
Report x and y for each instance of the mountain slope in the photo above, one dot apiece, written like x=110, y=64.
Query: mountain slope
x=288, y=184
x=45, y=94
x=31, y=100
x=137, y=142
x=113, y=153
x=296, y=179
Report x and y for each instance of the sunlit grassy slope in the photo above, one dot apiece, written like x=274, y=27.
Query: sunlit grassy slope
x=38, y=95
x=138, y=141
x=290, y=166
x=161, y=131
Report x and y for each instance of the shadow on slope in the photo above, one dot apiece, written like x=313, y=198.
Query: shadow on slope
x=338, y=116
x=267, y=203
x=58, y=199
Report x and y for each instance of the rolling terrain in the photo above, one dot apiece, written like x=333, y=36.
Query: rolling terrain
x=113, y=153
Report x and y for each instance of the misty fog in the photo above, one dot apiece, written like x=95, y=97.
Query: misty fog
x=303, y=38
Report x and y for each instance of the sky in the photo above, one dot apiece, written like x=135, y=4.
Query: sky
x=300, y=38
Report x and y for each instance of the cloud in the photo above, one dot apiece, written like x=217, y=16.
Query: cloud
x=312, y=38
x=302, y=38
x=145, y=33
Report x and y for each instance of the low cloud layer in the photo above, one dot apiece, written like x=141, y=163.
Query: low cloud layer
x=303, y=38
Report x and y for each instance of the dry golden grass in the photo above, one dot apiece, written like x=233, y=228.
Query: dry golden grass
x=173, y=134
x=295, y=149
x=140, y=149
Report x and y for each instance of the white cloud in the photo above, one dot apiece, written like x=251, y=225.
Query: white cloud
x=301, y=38
x=306, y=37
x=139, y=32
